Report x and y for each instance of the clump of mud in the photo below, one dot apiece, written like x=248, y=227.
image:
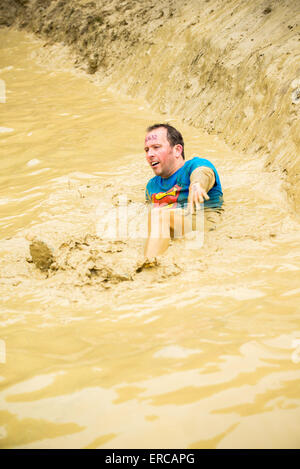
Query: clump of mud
x=41, y=254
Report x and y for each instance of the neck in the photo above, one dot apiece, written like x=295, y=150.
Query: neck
x=179, y=163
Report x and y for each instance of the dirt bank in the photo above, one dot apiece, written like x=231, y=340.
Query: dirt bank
x=229, y=67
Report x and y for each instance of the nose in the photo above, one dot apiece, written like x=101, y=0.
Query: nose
x=150, y=152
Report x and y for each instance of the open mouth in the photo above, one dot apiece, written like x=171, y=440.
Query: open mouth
x=155, y=163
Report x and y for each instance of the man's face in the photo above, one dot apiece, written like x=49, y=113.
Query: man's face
x=161, y=156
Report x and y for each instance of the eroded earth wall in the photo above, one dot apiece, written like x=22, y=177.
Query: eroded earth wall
x=230, y=67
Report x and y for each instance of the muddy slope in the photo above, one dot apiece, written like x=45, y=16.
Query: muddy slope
x=230, y=67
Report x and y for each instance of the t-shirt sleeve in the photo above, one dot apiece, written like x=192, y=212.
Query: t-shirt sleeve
x=197, y=162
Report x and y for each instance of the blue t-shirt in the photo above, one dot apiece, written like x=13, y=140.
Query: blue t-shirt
x=174, y=190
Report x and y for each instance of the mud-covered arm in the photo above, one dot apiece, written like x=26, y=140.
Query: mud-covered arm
x=202, y=180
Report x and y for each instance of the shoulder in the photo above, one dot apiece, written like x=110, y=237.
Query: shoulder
x=197, y=161
x=152, y=183
x=190, y=165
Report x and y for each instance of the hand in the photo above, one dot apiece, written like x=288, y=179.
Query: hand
x=197, y=195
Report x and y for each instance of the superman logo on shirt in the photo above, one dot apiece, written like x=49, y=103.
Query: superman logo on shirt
x=167, y=198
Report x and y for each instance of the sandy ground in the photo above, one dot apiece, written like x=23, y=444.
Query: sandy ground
x=229, y=67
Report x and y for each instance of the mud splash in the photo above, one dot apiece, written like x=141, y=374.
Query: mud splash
x=91, y=261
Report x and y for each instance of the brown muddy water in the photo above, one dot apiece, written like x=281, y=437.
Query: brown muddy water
x=201, y=351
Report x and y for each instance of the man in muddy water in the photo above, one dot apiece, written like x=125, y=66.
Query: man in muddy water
x=177, y=189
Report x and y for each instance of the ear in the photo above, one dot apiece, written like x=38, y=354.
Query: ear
x=178, y=150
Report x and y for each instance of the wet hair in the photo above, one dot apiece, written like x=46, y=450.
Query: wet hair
x=174, y=137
